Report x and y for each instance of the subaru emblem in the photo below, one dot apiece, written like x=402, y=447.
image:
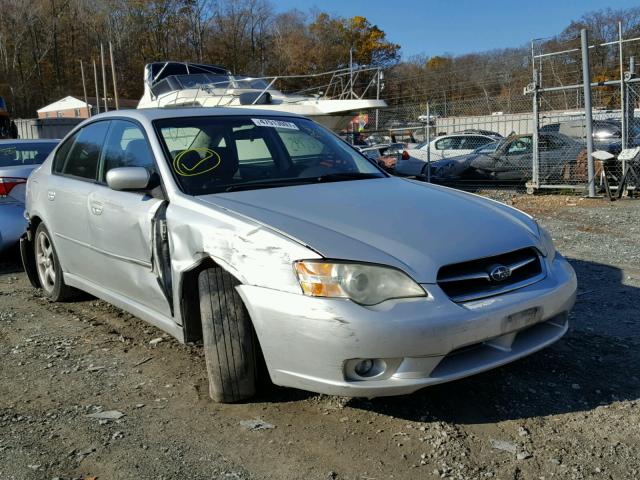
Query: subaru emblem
x=499, y=273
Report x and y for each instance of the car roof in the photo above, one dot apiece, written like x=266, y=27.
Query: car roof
x=150, y=114
x=465, y=134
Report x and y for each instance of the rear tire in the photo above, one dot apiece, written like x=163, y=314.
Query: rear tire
x=48, y=267
x=230, y=345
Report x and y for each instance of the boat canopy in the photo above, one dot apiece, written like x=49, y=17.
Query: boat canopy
x=160, y=70
x=165, y=77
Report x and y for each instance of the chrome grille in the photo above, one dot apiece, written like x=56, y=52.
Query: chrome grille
x=490, y=276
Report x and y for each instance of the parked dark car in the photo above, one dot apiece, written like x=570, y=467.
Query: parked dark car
x=513, y=159
x=607, y=134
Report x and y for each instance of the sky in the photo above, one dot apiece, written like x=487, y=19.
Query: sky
x=435, y=27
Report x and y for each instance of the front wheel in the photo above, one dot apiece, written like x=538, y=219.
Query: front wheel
x=230, y=346
x=48, y=267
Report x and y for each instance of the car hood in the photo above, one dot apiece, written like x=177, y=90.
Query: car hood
x=411, y=225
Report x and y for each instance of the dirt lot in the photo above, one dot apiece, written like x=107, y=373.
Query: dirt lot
x=571, y=411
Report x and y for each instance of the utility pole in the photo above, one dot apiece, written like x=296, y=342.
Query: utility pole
x=113, y=74
x=104, y=79
x=95, y=77
x=84, y=89
x=586, y=85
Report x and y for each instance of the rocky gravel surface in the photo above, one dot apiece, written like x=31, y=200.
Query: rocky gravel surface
x=88, y=391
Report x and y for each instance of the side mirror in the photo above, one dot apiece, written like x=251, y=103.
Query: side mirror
x=128, y=178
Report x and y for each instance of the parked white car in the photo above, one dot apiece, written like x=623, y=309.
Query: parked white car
x=413, y=161
x=276, y=243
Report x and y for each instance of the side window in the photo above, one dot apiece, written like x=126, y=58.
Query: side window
x=251, y=145
x=126, y=146
x=520, y=145
x=82, y=160
x=471, y=142
x=62, y=153
x=457, y=143
x=252, y=150
x=300, y=144
x=448, y=143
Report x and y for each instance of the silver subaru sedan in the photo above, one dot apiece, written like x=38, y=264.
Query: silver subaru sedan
x=288, y=254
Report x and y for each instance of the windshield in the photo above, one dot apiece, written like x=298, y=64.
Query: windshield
x=219, y=154
x=17, y=154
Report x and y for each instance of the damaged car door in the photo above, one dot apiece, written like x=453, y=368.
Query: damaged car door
x=127, y=225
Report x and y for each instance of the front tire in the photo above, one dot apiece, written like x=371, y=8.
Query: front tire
x=230, y=344
x=48, y=267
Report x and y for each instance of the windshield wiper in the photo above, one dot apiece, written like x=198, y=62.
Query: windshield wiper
x=263, y=184
x=336, y=177
x=330, y=177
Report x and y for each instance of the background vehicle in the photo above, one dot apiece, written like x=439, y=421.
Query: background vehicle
x=488, y=133
x=458, y=168
x=513, y=159
x=607, y=134
x=5, y=121
x=18, y=158
x=385, y=155
x=412, y=161
x=267, y=236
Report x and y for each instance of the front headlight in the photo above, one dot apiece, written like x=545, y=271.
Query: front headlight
x=546, y=243
x=364, y=284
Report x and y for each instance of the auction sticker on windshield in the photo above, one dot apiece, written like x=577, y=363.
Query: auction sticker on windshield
x=265, y=122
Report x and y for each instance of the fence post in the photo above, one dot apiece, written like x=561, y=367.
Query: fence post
x=623, y=119
x=535, y=171
x=588, y=113
x=378, y=94
x=628, y=109
x=428, y=142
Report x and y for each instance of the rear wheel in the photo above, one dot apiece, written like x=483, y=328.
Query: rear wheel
x=230, y=345
x=48, y=267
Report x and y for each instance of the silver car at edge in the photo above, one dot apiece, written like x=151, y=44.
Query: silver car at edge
x=277, y=244
x=18, y=158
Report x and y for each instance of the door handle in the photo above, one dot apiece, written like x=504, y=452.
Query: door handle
x=51, y=195
x=96, y=208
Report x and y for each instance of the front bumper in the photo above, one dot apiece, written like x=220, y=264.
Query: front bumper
x=310, y=343
x=12, y=224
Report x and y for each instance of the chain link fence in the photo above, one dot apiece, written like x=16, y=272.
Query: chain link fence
x=533, y=141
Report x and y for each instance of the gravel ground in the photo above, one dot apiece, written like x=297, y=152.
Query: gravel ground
x=570, y=411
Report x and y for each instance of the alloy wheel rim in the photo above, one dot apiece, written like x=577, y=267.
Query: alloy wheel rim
x=46, y=262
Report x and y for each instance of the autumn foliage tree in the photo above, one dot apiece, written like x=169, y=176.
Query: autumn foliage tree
x=42, y=42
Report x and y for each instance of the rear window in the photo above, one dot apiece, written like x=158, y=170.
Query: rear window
x=17, y=154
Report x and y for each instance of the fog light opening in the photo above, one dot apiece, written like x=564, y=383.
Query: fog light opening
x=363, y=367
x=368, y=368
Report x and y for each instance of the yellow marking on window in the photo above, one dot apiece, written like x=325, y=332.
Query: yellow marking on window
x=210, y=161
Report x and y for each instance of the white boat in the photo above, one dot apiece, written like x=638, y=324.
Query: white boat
x=183, y=84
